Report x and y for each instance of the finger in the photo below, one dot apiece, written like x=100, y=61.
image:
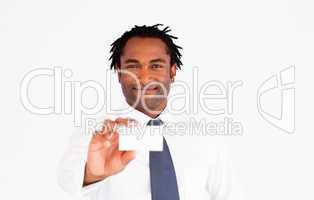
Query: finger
x=114, y=136
x=114, y=149
x=108, y=128
x=97, y=138
x=127, y=156
x=125, y=121
x=98, y=142
x=114, y=139
x=114, y=146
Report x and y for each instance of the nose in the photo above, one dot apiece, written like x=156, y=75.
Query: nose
x=144, y=75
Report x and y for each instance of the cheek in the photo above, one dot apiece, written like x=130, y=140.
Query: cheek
x=128, y=80
x=165, y=84
x=164, y=77
x=125, y=84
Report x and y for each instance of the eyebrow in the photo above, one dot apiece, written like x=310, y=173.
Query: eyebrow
x=158, y=60
x=132, y=60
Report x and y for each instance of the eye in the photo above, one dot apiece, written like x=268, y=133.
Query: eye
x=156, y=66
x=131, y=66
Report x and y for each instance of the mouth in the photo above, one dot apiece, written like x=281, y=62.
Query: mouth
x=146, y=90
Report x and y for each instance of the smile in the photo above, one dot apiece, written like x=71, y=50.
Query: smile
x=147, y=89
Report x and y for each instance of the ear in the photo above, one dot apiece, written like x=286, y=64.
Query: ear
x=118, y=74
x=173, y=71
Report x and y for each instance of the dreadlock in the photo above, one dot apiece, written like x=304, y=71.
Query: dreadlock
x=146, y=31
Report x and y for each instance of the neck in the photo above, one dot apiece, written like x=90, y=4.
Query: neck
x=152, y=113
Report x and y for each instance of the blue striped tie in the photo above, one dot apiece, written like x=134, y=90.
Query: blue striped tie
x=162, y=174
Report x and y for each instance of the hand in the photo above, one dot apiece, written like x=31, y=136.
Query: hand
x=104, y=158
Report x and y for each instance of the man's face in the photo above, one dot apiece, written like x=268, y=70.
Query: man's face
x=146, y=73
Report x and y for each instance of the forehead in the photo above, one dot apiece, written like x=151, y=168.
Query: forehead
x=145, y=48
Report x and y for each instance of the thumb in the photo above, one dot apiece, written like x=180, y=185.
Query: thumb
x=127, y=156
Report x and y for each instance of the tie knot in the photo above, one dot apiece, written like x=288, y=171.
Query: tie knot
x=154, y=122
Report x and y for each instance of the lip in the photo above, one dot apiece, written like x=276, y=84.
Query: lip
x=152, y=88
x=148, y=90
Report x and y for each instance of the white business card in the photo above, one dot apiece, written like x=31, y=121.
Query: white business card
x=140, y=137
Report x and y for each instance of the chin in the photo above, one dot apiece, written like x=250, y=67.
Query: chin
x=152, y=104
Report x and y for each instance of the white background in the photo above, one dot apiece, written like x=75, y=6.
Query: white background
x=227, y=40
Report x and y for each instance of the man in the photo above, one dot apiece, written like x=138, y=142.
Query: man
x=146, y=59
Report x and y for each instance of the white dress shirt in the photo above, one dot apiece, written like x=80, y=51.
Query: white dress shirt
x=201, y=165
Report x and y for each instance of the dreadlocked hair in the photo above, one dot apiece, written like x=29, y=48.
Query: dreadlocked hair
x=146, y=31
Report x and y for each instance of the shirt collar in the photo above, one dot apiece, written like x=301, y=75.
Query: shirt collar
x=143, y=118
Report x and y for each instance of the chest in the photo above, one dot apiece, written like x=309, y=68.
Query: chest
x=134, y=181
